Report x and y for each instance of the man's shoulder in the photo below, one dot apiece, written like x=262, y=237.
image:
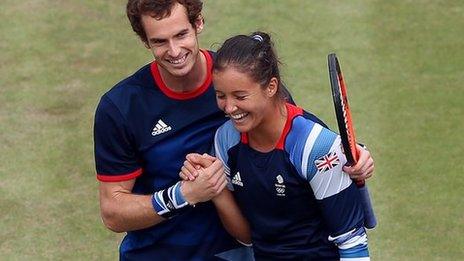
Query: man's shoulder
x=136, y=82
x=212, y=53
x=136, y=85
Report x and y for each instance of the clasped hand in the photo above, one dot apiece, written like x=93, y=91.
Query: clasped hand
x=203, y=178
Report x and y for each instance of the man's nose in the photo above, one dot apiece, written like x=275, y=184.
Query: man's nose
x=174, y=49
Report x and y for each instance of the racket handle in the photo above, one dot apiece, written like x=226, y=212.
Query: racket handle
x=369, y=216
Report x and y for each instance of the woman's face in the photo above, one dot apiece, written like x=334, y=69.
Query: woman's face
x=245, y=101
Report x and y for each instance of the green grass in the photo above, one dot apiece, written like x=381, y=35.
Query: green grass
x=402, y=60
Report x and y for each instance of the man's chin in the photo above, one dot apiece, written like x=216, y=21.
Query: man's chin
x=176, y=72
x=180, y=71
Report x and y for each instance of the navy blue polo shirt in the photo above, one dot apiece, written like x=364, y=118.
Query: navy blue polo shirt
x=143, y=131
x=296, y=195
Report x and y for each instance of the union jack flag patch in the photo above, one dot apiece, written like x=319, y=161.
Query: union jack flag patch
x=327, y=162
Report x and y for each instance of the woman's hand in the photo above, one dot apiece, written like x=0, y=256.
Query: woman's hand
x=364, y=168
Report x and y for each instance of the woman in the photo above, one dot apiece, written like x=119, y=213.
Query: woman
x=284, y=165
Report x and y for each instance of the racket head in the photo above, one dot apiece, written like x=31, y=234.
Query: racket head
x=342, y=110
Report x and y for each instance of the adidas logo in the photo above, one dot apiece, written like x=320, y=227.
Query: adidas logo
x=160, y=127
x=237, y=180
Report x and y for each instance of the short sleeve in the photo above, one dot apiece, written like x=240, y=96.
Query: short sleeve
x=115, y=155
x=225, y=138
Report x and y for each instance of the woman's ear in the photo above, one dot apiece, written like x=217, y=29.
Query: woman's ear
x=272, y=87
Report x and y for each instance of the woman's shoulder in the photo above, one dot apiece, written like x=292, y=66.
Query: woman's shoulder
x=227, y=135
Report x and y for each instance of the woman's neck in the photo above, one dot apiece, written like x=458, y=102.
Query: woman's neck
x=265, y=136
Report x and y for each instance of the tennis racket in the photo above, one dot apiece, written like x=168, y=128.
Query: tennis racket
x=345, y=126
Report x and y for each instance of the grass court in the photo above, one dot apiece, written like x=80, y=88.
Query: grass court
x=403, y=63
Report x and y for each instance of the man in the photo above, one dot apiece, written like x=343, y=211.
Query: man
x=144, y=128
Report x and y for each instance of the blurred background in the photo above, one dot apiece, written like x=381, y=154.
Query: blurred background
x=403, y=62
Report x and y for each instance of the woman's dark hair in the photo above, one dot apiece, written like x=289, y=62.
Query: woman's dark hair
x=159, y=9
x=254, y=55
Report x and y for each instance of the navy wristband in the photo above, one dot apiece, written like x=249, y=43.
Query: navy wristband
x=169, y=202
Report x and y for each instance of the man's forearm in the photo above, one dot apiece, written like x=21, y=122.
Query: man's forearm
x=123, y=211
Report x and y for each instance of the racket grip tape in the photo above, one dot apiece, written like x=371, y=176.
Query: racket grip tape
x=369, y=216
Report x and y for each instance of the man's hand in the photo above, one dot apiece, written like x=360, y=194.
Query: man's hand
x=209, y=182
x=193, y=163
x=364, y=168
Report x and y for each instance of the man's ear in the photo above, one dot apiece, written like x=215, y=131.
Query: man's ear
x=147, y=45
x=199, y=23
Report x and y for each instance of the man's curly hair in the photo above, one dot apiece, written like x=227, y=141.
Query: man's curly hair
x=158, y=9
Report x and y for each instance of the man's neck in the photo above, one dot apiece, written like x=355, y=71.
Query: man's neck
x=189, y=82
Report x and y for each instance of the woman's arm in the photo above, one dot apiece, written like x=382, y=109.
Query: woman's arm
x=337, y=195
x=232, y=217
x=228, y=210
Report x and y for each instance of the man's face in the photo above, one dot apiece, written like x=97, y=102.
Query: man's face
x=173, y=41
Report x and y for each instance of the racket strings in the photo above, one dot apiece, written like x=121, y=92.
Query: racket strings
x=347, y=115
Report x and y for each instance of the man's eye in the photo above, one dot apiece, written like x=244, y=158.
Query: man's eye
x=182, y=34
x=157, y=43
x=241, y=98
